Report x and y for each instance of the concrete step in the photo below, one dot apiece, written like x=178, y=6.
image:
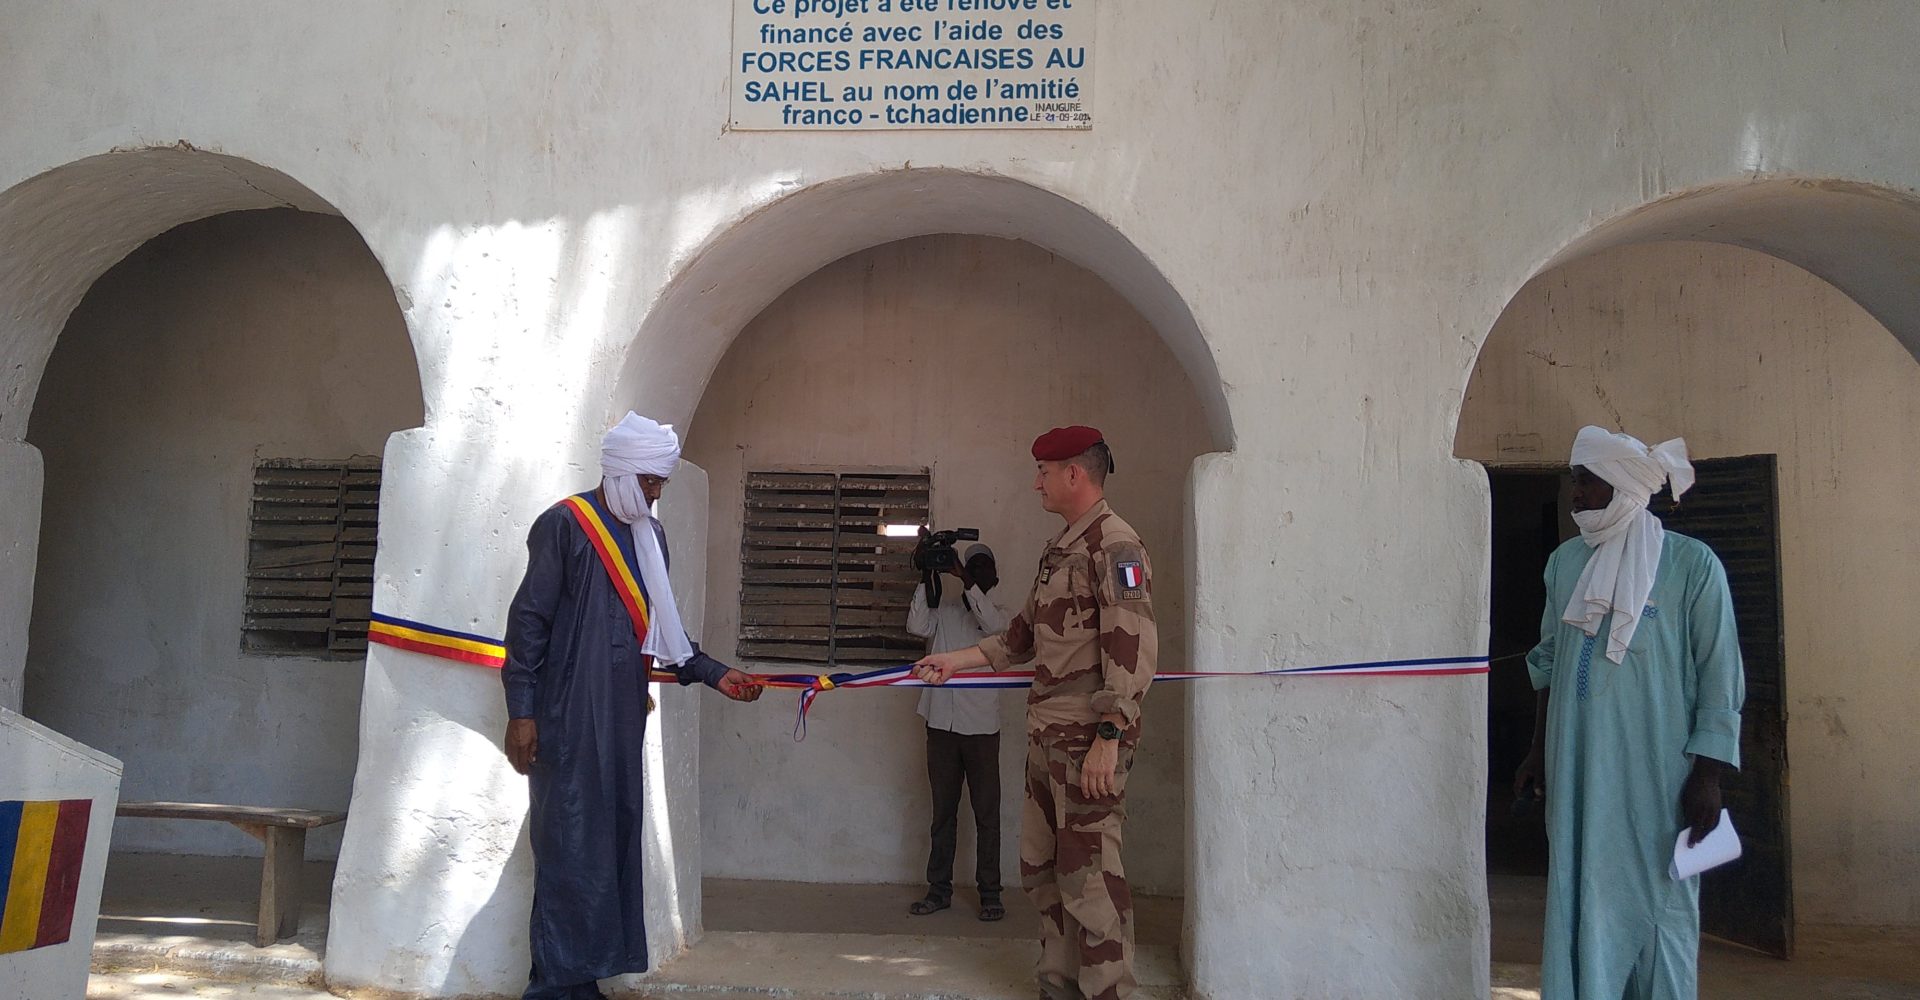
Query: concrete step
x=172, y=986
x=290, y=963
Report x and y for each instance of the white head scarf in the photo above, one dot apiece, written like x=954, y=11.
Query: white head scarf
x=638, y=447
x=1626, y=538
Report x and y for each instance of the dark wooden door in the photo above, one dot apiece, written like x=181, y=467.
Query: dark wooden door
x=1734, y=508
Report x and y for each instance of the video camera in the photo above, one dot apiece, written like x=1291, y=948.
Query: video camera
x=936, y=555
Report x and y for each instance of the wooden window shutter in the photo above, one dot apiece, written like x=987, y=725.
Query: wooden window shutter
x=310, y=557
x=820, y=584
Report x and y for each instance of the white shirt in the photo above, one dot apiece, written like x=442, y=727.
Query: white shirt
x=957, y=624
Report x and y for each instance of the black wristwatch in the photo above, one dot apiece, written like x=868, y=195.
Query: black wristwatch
x=1107, y=730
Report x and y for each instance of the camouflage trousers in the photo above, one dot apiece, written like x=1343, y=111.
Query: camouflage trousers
x=1070, y=865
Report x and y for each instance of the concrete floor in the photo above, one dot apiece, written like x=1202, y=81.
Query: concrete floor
x=167, y=986
x=801, y=940
x=799, y=907
x=176, y=926
x=170, y=986
x=196, y=916
x=179, y=928
x=1829, y=963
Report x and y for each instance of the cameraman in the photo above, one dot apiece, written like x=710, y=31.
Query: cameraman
x=963, y=729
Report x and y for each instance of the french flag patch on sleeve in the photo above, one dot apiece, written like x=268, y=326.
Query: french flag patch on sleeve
x=1131, y=577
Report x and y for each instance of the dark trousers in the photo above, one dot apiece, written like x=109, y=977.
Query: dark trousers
x=952, y=759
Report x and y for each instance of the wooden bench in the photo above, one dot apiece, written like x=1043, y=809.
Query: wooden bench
x=282, y=831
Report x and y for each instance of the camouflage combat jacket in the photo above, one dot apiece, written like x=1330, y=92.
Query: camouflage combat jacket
x=1088, y=630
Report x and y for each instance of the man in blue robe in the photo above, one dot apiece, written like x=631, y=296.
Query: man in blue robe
x=1640, y=687
x=580, y=641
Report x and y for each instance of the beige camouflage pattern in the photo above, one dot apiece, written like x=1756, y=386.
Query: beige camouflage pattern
x=1088, y=630
x=1070, y=865
x=1091, y=639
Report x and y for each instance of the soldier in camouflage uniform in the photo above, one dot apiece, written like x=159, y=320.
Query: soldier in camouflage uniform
x=1089, y=633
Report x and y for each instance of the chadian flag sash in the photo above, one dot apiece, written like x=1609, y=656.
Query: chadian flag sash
x=626, y=582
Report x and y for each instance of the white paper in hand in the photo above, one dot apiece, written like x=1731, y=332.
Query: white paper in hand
x=1715, y=849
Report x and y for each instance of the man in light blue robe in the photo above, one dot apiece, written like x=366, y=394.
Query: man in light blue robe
x=1640, y=686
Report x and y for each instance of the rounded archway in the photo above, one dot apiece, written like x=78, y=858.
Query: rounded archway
x=749, y=342
x=1863, y=239
x=60, y=231
x=203, y=361
x=740, y=271
x=1770, y=323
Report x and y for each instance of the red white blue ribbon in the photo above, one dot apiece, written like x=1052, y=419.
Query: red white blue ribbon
x=462, y=647
x=812, y=685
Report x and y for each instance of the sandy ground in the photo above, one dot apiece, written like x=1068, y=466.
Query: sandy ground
x=175, y=927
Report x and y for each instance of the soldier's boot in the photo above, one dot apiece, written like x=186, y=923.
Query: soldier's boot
x=1051, y=989
x=1109, y=978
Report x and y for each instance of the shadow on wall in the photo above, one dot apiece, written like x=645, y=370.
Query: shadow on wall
x=746, y=265
x=948, y=353
x=86, y=215
x=1744, y=353
x=742, y=270
x=1728, y=314
x=64, y=229
x=518, y=420
x=1863, y=239
x=240, y=338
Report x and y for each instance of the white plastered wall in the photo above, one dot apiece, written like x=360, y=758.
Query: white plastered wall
x=1343, y=196
x=59, y=231
x=250, y=336
x=20, y=478
x=949, y=352
x=1744, y=354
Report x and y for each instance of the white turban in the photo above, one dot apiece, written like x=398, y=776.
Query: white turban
x=638, y=447
x=1626, y=538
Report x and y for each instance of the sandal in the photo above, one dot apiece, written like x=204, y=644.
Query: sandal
x=930, y=904
x=991, y=910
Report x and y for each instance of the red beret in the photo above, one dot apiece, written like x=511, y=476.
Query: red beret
x=1062, y=443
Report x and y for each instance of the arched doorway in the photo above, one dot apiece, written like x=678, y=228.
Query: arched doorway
x=62, y=230
x=212, y=360
x=745, y=267
x=812, y=334
x=1753, y=319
